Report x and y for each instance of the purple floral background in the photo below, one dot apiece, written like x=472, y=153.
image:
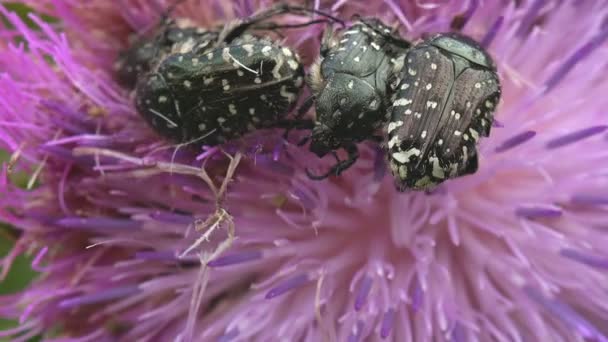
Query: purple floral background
x=516, y=252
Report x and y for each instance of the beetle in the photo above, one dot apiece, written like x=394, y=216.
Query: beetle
x=208, y=94
x=352, y=83
x=445, y=102
x=141, y=55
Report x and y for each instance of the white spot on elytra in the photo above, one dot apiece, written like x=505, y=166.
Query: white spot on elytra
x=393, y=125
x=187, y=84
x=240, y=73
x=291, y=97
x=357, y=59
x=286, y=52
x=299, y=81
x=202, y=127
x=226, y=54
x=221, y=120
x=293, y=64
x=402, y=102
x=249, y=49
x=375, y=46
x=251, y=111
x=351, y=83
x=431, y=104
x=266, y=50
x=437, y=170
x=433, y=66
x=257, y=80
x=404, y=86
x=457, y=116
x=423, y=135
x=162, y=99
x=404, y=157
x=429, y=86
x=477, y=85
x=408, y=112
x=411, y=71
x=474, y=134
x=457, y=133
x=232, y=109
x=394, y=141
x=372, y=105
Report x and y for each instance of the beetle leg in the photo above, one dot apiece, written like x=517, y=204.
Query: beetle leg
x=239, y=29
x=377, y=138
x=303, y=141
x=306, y=105
x=297, y=123
x=341, y=165
x=326, y=41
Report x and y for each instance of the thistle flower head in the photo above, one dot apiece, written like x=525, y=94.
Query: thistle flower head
x=515, y=252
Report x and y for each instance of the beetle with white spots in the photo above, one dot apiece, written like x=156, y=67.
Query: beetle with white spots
x=352, y=84
x=453, y=109
x=144, y=52
x=218, y=91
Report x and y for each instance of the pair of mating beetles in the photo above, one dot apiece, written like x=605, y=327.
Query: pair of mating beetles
x=430, y=102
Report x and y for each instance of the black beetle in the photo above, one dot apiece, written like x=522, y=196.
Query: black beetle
x=141, y=55
x=352, y=84
x=445, y=102
x=207, y=94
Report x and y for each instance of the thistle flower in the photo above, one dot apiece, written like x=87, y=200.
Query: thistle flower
x=515, y=252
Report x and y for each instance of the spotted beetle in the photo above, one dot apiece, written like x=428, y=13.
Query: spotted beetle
x=352, y=84
x=141, y=55
x=445, y=102
x=207, y=94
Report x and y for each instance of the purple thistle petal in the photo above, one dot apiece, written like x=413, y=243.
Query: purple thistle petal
x=229, y=336
x=515, y=140
x=567, y=314
x=457, y=334
x=99, y=297
x=592, y=261
x=364, y=288
x=236, y=258
x=355, y=335
x=305, y=199
x=98, y=223
x=164, y=216
x=417, y=297
x=526, y=22
x=588, y=199
x=573, y=137
x=387, y=323
x=41, y=253
x=537, y=211
x=580, y=54
x=492, y=32
x=287, y=285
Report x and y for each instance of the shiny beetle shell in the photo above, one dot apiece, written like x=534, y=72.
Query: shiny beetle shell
x=351, y=84
x=445, y=102
x=209, y=96
x=140, y=57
